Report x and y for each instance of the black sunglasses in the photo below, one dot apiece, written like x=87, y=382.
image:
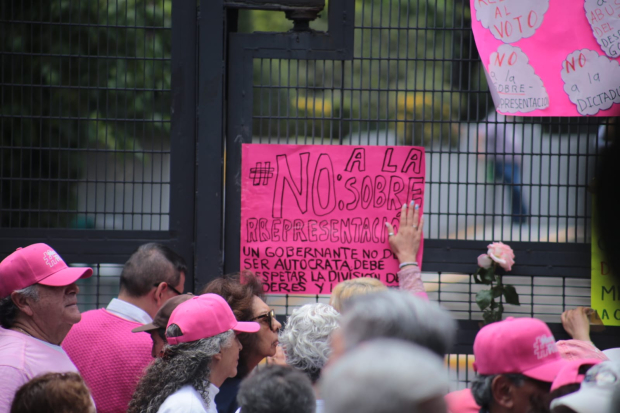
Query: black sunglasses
x=169, y=286
x=268, y=316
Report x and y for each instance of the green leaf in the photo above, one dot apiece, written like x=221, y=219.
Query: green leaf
x=489, y=275
x=486, y=276
x=491, y=316
x=497, y=290
x=484, y=298
x=511, y=295
x=477, y=278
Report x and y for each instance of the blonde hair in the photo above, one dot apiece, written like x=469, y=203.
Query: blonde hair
x=358, y=286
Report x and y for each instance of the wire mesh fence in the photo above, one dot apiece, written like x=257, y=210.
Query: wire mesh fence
x=84, y=114
x=85, y=96
x=416, y=79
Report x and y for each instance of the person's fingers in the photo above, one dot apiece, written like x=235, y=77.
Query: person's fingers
x=411, y=214
x=563, y=317
x=421, y=222
x=403, y=217
x=415, y=219
x=390, y=229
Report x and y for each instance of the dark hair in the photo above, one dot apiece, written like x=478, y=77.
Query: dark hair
x=151, y=264
x=482, y=387
x=53, y=392
x=239, y=290
x=8, y=312
x=8, y=309
x=276, y=389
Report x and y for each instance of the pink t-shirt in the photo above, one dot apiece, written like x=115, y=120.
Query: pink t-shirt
x=22, y=358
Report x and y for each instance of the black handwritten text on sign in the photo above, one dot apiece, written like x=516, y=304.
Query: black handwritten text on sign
x=314, y=215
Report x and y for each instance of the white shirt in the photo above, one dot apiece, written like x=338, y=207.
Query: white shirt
x=188, y=400
x=128, y=311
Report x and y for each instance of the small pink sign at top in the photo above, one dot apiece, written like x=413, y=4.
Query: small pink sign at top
x=314, y=215
x=550, y=57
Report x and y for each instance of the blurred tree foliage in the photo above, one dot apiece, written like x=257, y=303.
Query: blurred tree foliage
x=85, y=77
x=78, y=77
x=412, y=61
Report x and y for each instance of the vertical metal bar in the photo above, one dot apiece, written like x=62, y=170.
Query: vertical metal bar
x=205, y=253
x=239, y=130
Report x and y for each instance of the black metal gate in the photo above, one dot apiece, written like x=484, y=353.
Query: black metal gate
x=116, y=118
x=93, y=160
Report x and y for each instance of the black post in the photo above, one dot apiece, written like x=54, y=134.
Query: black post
x=209, y=145
x=183, y=134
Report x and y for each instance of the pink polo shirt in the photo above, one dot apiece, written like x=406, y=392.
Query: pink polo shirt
x=22, y=358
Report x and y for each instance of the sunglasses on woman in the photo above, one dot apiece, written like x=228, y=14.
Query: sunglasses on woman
x=267, y=316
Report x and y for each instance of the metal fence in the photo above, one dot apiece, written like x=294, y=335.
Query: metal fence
x=85, y=115
x=86, y=126
x=115, y=116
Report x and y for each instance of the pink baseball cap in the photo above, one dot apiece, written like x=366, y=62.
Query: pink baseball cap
x=518, y=345
x=570, y=373
x=206, y=316
x=461, y=401
x=37, y=264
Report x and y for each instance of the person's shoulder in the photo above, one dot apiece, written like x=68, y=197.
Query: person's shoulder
x=12, y=350
x=184, y=400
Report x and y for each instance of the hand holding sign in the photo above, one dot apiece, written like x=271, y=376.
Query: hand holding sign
x=405, y=242
x=516, y=85
x=313, y=216
x=591, y=81
x=511, y=20
x=604, y=18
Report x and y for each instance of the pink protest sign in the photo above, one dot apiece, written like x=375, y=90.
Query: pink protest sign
x=550, y=57
x=314, y=215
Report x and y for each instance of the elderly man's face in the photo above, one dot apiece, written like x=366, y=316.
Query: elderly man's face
x=56, y=309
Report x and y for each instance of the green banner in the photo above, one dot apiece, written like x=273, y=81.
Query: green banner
x=605, y=290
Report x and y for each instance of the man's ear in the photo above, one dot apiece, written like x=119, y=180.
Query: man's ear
x=503, y=391
x=217, y=356
x=22, y=303
x=159, y=294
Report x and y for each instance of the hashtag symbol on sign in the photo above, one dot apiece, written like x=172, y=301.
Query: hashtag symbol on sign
x=260, y=175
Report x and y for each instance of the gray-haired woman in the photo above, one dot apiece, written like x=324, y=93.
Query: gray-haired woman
x=202, y=352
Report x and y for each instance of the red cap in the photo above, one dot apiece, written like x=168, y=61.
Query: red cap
x=570, y=373
x=518, y=345
x=37, y=264
x=206, y=316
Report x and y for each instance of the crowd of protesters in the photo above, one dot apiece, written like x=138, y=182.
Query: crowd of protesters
x=371, y=350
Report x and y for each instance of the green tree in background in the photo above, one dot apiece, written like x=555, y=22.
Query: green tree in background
x=411, y=60
x=92, y=78
x=77, y=78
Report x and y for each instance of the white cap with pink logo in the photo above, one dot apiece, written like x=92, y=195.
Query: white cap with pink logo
x=37, y=264
x=518, y=345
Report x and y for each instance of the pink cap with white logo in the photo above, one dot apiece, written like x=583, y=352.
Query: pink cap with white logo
x=206, y=316
x=37, y=264
x=518, y=345
x=570, y=373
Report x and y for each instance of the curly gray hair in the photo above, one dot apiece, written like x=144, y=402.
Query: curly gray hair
x=181, y=364
x=306, y=337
